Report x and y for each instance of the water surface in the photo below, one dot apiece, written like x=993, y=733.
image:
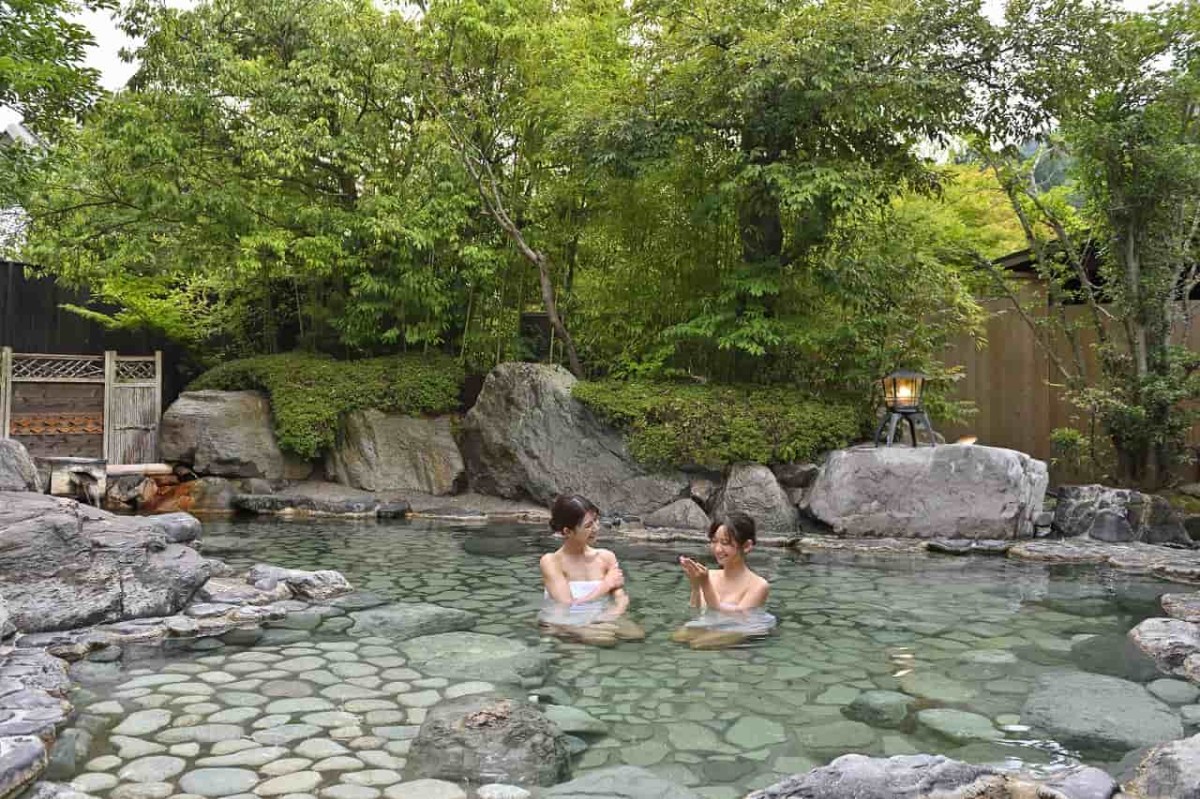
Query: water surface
x=971, y=634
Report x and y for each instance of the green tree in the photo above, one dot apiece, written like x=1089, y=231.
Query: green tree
x=42, y=76
x=728, y=190
x=748, y=227
x=512, y=83
x=270, y=173
x=1123, y=105
x=813, y=112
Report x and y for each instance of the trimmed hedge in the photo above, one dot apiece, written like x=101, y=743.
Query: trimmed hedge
x=309, y=393
x=673, y=424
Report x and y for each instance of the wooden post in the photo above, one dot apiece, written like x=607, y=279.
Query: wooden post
x=6, y=354
x=110, y=381
x=158, y=402
x=158, y=381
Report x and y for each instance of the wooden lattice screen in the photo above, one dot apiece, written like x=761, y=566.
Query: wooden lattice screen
x=82, y=405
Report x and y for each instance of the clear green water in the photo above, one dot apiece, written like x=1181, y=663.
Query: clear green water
x=970, y=634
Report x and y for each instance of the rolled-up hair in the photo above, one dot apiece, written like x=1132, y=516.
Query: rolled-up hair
x=569, y=510
x=740, y=525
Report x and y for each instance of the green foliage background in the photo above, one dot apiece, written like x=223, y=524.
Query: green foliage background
x=745, y=192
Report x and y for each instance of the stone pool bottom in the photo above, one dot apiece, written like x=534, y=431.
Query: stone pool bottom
x=313, y=709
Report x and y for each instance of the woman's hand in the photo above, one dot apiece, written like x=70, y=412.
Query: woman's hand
x=614, y=579
x=695, y=572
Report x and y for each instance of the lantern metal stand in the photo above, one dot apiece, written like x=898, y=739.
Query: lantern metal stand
x=902, y=392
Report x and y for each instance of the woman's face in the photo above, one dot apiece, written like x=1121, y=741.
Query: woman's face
x=587, y=529
x=723, y=545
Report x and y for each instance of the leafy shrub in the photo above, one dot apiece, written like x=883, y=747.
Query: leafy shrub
x=309, y=393
x=673, y=424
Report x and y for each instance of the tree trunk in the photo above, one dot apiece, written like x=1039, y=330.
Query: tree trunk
x=552, y=311
x=485, y=181
x=1133, y=275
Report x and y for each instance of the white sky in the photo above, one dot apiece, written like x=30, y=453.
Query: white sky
x=105, y=54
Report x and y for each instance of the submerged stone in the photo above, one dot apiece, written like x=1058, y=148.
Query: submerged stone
x=143, y=722
x=573, y=720
x=298, y=782
x=1092, y=711
x=212, y=782
x=475, y=656
x=619, y=782
x=754, y=732
x=403, y=620
x=880, y=708
x=425, y=789
x=958, y=725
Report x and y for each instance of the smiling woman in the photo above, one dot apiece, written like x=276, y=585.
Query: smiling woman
x=584, y=592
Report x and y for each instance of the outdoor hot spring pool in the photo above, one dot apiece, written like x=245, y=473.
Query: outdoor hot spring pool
x=310, y=709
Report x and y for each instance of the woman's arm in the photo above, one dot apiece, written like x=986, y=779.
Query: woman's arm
x=554, y=580
x=612, y=581
x=620, y=603
x=711, y=598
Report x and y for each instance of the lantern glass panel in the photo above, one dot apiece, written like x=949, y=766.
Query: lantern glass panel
x=903, y=390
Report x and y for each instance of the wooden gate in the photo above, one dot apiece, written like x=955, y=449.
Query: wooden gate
x=93, y=406
x=132, y=407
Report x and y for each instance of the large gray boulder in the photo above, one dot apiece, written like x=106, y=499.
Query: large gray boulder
x=318, y=586
x=379, y=451
x=1169, y=771
x=17, y=472
x=527, y=438
x=65, y=565
x=682, y=514
x=486, y=738
x=1173, y=643
x=1118, y=515
x=1096, y=712
x=619, y=782
x=958, y=491
x=901, y=777
x=22, y=760
x=224, y=433
x=753, y=489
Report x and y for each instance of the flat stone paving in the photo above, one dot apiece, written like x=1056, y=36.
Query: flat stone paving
x=317, y=743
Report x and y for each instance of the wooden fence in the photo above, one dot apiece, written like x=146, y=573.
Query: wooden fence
x=98, y=406
x=34, y=318
x=1013, y=384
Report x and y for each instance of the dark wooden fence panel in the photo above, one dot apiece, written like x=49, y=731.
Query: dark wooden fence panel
x=32, y=320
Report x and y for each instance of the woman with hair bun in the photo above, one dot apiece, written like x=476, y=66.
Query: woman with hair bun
x=585, y=595
x=731, y=598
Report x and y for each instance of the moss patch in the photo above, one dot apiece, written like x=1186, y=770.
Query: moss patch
x=678, y=424
x=309, y=393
